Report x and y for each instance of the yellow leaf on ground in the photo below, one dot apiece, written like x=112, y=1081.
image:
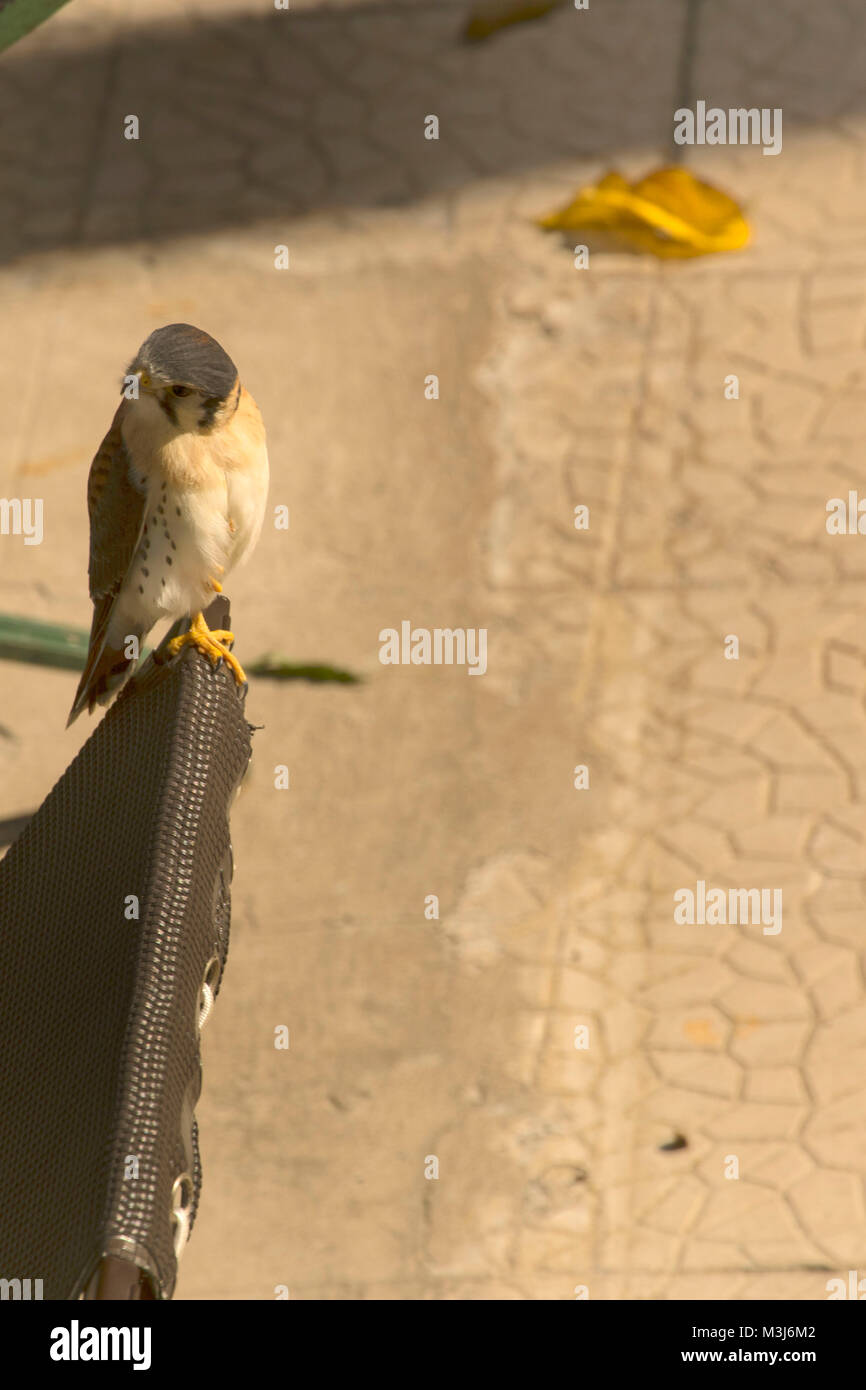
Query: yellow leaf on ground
x=668, y=213
x=490, y=15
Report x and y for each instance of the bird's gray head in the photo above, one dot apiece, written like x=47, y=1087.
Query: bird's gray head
x=193, y=379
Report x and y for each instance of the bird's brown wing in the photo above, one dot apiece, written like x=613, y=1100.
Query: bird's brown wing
x=117, y=509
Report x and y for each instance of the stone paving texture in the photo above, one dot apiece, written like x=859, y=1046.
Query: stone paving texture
x=559, y=1168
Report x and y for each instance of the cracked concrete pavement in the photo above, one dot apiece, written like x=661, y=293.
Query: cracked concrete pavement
x=605, y=1166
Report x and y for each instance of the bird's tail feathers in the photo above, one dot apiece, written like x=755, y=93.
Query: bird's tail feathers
x=106, y=670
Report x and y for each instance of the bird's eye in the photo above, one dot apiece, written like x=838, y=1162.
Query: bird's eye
x=181, y=391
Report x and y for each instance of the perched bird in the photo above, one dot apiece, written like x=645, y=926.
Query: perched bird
x=176, y=497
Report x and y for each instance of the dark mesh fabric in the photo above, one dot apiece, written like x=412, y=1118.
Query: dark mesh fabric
x=99, y=1044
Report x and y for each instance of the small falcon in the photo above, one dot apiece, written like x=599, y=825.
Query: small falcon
x=176, y=497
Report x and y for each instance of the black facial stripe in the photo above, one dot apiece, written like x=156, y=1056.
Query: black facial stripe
x=169, y=410
x=209, y=410
x=213, y=404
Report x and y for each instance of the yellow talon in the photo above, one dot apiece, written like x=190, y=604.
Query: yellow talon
x=212, y=643
x=216, y=586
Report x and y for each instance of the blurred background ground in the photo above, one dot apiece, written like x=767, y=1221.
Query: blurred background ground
x=454, y=1038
